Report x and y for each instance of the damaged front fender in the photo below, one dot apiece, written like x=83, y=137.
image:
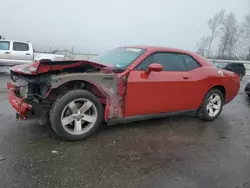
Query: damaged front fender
x=107, y=84
x=48, y=80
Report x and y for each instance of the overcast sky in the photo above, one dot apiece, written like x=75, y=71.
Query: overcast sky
x=97, y=25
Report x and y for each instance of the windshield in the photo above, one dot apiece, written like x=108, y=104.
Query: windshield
x=119, y=57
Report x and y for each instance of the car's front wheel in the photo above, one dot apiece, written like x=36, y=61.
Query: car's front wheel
x=212, y=105
x=76, y=115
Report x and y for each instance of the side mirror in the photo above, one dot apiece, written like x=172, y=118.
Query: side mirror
x=156, y=67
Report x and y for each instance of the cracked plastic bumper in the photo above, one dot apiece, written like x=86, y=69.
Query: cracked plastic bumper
x=17, y=103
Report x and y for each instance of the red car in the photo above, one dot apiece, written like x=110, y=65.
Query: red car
x=76, y=97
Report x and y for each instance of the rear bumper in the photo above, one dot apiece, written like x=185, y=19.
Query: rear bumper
x=17, y=103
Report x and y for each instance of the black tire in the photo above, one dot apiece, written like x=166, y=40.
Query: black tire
x=248, y=94
x=60, y=104
x=202, y=112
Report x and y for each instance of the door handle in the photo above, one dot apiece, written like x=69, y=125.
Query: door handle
x=27, y=54
x=7, y=52
x=185, y=77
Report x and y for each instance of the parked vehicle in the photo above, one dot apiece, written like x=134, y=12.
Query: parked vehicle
x=138, y=81
x=247, y=89
x=238, y=68
x=16, y=52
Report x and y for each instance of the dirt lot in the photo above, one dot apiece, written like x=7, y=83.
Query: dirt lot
x=179, y=151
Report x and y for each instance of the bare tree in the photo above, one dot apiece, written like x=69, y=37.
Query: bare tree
x=231, y=34
x=248, y=55
x=234, y=39
x=202, y=46
x=247, y=26
x=214, y=24
x=245, y=38
x=237, y=39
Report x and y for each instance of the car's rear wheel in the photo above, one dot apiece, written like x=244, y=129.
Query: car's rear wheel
x=212, y=105
x=76, y=115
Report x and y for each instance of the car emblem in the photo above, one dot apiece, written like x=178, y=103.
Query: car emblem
x=220, y=72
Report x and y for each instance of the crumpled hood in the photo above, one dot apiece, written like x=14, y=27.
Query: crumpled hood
x=40, y=67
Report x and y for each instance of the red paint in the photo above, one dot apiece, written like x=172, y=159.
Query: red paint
x=17, y=103
x=173, y=91
x=156, y=67
x=151, y=92
x=44, y=66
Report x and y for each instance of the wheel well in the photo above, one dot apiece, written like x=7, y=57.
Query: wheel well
x=222, y=89
x=78, y=84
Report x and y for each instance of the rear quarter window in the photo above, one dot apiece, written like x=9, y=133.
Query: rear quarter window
x=191, y=63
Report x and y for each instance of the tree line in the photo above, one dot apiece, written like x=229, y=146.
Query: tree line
x=231, y=36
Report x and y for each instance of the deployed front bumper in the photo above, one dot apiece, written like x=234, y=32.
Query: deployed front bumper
x=17, y=103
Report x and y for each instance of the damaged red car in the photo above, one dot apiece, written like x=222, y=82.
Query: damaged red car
x=76, y=97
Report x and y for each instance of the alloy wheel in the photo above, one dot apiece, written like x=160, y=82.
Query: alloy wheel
x=214, y=105
x=79, y=116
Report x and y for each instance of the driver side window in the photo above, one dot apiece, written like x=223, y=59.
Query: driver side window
x=169, y=62
x=145, y=63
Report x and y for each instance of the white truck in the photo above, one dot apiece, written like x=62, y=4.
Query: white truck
x=17, y=52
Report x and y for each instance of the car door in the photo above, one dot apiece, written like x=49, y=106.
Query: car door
x=160, y=91
x=196, y=86
x=22, y=53
x=5, y=54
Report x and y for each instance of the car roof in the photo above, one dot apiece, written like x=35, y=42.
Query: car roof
x=153, y=49
x=159, y=48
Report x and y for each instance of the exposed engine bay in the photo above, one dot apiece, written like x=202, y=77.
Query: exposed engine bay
x=40, y=84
